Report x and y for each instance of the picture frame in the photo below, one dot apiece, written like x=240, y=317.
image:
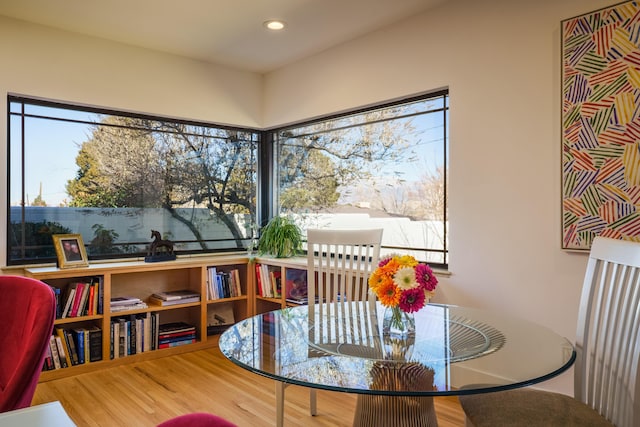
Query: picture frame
x=70, y=250
x=600, y=116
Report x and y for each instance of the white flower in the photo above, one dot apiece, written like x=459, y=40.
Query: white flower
x=405, y=278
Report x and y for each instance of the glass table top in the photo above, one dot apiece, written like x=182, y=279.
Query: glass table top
x=455, y=350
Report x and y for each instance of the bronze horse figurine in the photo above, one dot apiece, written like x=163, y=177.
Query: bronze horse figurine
x=158, y=242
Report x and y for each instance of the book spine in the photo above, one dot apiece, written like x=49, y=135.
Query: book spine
x=100, y=295
x=53, y=347
x=115, y=339
x=82, y=307
x=259, y=280
x=238, y=285
x=76, y=300
x=133, y=335
x=68, y=301
x=48, y=360
x=176, y=343
x=122, y=341
x=95, y=344
x=59, y=302
x=92, y=297
x=64, y=361
x=162, y=337
x=71, y=346
x=79, y=341
x=146, y=342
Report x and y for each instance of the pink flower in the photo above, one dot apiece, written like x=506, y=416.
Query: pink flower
x=425, y=277
x=412, y=300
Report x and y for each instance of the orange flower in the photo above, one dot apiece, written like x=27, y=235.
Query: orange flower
x=376, y=279
x=390, y=267
x=388, y=294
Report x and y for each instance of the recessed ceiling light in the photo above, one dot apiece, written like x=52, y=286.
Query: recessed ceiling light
x=274, y=25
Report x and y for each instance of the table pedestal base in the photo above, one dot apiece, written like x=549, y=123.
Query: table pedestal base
x=392, y=411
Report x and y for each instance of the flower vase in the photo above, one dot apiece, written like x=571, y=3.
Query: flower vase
x=398, y=324
x=398, y=332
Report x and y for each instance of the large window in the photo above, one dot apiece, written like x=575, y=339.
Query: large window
x=382, y=167
x=113, y=177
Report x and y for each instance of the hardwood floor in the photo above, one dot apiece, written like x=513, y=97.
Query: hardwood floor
x=147, y=393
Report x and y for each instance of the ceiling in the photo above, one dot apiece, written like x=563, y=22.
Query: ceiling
x=225, y=32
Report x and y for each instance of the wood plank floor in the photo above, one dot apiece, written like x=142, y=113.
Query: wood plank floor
x=147, y=393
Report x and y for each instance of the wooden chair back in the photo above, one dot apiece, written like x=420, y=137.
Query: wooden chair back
x=608, y=334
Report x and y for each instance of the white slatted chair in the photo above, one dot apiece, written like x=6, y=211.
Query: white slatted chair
x=339, y=263
x=606, y=385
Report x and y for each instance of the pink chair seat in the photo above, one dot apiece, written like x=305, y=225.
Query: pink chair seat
x=197, y=419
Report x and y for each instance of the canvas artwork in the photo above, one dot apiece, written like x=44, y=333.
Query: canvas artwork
x=601, y=126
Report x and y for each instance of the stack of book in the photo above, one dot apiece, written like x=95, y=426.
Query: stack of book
x=183, y=296
x=68, y=347
x=80, y=299
x=175, y=334
x=126, y=303
x=223, y=284
x=133, y=334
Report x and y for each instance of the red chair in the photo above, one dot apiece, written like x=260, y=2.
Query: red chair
x=27, y=313
x=197, y=419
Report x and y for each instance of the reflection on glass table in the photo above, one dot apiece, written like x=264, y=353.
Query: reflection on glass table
x=455, y=350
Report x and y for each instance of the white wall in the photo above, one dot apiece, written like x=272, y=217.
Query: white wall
x=501, y=62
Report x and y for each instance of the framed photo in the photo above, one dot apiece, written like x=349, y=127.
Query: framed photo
x=70, y=250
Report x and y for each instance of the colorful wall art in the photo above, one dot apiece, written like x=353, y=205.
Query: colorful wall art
x=601, y=126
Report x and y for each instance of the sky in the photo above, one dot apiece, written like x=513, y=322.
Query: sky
x=51, y=150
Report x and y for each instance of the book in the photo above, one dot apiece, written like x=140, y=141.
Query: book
x=55, y=356
x=90, y=306
x=176, y=295
x=100, y=302
x=84, y=298
x=175, y=327
x=48, y=360
x=296, y=286
x=176, y=335
x=79, y=287
x=176, y=343
x=236, y=281
x=95, y=344
x=156, y=301
x=259, y=280
x=71, y=346
x=68, y=301
x=128, y=307
x=115, y=339
x=118, y=301
x=78, y=338
x=57, y=294
x=64, y=361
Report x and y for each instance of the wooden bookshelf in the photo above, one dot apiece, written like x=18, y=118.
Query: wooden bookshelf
x=139, y=279
x=264, y=303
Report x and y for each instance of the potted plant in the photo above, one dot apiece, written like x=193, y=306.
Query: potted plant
x=281, y=237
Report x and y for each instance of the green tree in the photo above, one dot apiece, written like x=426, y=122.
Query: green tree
x=321, y=162
x=131, y=162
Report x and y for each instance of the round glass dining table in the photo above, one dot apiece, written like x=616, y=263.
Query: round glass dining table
x=344, y=347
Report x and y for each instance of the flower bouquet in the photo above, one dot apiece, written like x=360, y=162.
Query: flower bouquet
x=404, y=285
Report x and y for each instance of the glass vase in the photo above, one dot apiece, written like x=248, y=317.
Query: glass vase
x=398, y=333
x=398, y=324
